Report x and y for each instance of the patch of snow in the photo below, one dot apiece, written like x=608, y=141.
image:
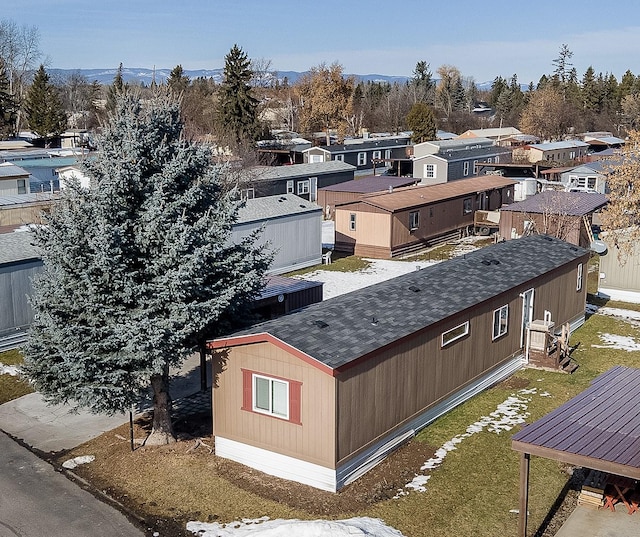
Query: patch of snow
x=12, y=370
x=612, y=341
x=77, y=461
x=630, y=316
x=359, y=526
x=337, y=283
x=512, y=411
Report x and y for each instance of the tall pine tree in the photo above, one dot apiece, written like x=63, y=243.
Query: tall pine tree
x=238, y=108
x=45, y=111
x=139, y=269
x=8, y=106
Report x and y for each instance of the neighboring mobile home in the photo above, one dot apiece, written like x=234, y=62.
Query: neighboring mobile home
x=567, y=215
x=303, y=180
x=620, y=270
x=330, y=196
x=19, y=262
x=289, y=226
x=322, y=395
x=13, y=180
x=410, y=219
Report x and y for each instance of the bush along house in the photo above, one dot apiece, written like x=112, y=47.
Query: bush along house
x=322, y=395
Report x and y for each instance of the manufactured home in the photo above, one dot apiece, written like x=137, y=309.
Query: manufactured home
x=322, y=395
x=395, y=223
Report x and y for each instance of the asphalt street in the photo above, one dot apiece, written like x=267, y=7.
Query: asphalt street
x=35, y=500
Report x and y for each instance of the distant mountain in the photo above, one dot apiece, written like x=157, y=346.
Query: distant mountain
x=140, y=75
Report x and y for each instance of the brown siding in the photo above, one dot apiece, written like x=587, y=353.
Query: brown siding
x=567, y=228
x=331, y=198
x=313, y=441
x=380, y=393
x=372, y=228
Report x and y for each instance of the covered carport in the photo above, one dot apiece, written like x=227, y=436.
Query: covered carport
x=598, y=429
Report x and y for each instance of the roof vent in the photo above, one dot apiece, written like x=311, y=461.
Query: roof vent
x=320, y=324
x=414, y=288
x=547, y=238
x=573, y=248
x=486, y=262
x=374, y=321
x=495, y=261
x=303, y=206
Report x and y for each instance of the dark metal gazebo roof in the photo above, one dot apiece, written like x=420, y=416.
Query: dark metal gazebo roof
x=597, y=429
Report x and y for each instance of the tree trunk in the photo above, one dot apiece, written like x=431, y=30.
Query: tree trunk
x=162, y=430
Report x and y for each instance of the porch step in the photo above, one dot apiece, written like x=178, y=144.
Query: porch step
x=569, y=365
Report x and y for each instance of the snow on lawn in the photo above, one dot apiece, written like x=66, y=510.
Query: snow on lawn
x=612, y=341
x=338, y=283
x=512, y=411
x=263, y=527
x=77, y=461
x=630, y=316
x=12, y=370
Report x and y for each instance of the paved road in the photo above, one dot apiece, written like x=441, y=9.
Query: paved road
x=35, y=501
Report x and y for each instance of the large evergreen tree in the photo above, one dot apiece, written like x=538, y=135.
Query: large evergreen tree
x=238, y=108
x=422, y=121
x=45, y=111
x=139, y=269
x=8, y=106
x=177, y=81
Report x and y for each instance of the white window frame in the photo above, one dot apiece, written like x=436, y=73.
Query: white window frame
x=500, y=322
x=414, y=220
x=22, y=186
x=303, y=187
x=579, y=277
x=465, y=168
x=475, y=167
x=313, y=188
x=247, y=194
x=315, y=159
x=339, y=157
x=352, y=221
x=497, y=160
x=270, y=411
x=466, y=210
x=362, y=158
x=376, y=155
x=290, y=187
x=465, y=331
x=387, y=154
x=429, y=171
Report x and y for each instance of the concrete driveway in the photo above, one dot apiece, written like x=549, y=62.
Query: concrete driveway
x=589, y=522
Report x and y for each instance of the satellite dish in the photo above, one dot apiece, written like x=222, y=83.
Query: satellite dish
x=599, y=247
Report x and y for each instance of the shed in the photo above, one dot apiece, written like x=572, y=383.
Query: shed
x=330, y=196
x=620, y=274
x=567, y=215
x=290, y=226
x=13, y=179
x=282, y=295
x=19, y=262
x=322, y=395
x=387, y=225
x=21, y=209
x=598, y=429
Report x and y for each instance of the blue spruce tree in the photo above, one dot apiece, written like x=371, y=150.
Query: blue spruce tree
x=139, y=268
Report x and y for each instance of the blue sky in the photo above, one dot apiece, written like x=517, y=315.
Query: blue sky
x=482, y=38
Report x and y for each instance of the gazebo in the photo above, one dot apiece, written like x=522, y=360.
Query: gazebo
x=598, y=429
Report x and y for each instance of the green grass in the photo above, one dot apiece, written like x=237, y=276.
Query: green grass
x=339, y=263
x=12, y=387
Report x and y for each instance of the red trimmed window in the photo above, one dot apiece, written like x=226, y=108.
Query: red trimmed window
x=273, y=396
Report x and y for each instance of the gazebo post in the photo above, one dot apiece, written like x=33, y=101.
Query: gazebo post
x=524, y=494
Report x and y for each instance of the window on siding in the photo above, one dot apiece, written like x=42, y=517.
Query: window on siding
x=247, y=194
x=579, y=278
x=271, y=396
x=467, y=206
x=387, y=153
x=377, y=155
x=362, y=159
x=500, y=321
x=497, y=159
x=303, y=187
x=22, y=186
x=475, y=167
x=339, y=157
x=465, y=169
x=455, y=333
x=429, y=171
x=316, y=158
x=289, y=187
x=414, y=220
x=352, y=222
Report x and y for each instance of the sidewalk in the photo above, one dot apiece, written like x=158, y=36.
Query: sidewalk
x=51, y=428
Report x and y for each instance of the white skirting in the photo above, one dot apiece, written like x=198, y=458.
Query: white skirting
x=328, y=479
x=276, y=464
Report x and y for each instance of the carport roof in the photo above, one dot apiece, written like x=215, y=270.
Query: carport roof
x=597, y=429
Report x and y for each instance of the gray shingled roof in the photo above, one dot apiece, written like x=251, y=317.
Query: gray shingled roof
x=370, y=184
x=8, y=169
x=274, y=207
x=558, y=202
x=16, y=247
x=342, y=329
x=274, y=173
